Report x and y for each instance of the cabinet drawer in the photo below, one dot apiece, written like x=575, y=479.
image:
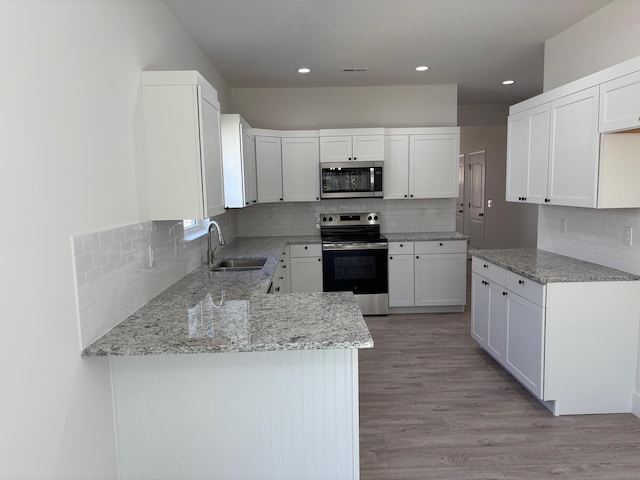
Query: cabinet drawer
x=526, y=288
x=306, y=250
x=399, y=248
x=489, y=271
x=441, y=246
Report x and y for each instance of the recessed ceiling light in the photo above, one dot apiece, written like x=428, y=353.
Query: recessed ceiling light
x=508, y=82
x=304, y=70
x=422, y=68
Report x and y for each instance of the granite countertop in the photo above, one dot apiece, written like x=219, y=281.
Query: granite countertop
x=213, y=312
x=546, y=267
x=424, y=236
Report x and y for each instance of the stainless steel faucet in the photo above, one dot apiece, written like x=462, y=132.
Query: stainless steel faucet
x=210, y=251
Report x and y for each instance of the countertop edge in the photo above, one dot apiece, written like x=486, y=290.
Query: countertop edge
x=607, y=274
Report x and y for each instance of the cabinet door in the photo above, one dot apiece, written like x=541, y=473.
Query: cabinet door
x=300, y=169
x=620, y=103
x=173, y=152
x=269, y=169
x=336, y=149
x=395, y=182
x=368, y=148
x=497, y=331
x=528, y=155
x=306, y=274
x=480, y=309
x=440, y=279
x=401, y=276
x=211, y=157
x=489, y=316
x=433, y=166
x=525, y=347
x=249, y=169
x=574, y=149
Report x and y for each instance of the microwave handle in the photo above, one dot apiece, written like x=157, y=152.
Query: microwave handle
x=372, y=178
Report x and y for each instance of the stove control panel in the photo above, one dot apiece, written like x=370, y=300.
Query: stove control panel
x=349, y=219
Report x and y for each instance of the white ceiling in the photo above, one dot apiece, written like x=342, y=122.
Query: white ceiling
x=473, y=43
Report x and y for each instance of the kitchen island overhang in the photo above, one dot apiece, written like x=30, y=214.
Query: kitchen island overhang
x=258, y=386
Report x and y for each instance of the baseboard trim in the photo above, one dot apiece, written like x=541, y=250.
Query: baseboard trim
x=435, y=309
x=635, y=404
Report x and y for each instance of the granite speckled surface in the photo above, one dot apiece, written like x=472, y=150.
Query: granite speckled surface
x=546, y=267
x=424, y=236
x=192, y=316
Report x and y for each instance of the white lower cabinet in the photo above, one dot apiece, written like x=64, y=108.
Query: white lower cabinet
x=401, y=274
x=427, y=274
x=572, y=344
x=306, y=268
x=489, y=316
x=524, y=341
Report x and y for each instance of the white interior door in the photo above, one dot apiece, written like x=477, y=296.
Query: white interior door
x=460, y=200
x=475, y=181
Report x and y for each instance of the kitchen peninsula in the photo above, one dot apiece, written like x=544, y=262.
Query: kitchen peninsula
x=216, y=377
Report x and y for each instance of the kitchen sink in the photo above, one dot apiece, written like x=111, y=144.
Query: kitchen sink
x=239, y=264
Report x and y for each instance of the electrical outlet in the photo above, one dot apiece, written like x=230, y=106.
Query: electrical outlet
x=422, y=212
x=627, y=235
x=563, y=226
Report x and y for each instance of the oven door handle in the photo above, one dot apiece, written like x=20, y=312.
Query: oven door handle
x=355, y=246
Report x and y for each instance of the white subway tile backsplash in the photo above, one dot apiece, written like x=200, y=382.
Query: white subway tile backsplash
x=106, y=238
x=113, y=277
x=90, y=241
x=592, y=235
x=100, y=257
x=398, y=216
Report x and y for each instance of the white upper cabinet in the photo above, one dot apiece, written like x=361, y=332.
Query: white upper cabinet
x=300, y=169
x=395, y=181
x=182, y=136
x=287, y=165
x=552, y=152
x=620, y=103
x=422, y=163
x=238, y=156
x=528, y=153
x=269, y=169
x=574, y=149
x=360, y=145
x=433, y=166
x=577, y=145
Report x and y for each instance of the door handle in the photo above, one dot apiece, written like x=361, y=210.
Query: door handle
x=481, y=214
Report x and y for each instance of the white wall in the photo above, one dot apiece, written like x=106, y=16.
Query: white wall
x=68, y=91
x=607, y=37
x=482, y=115
x=507, y=224
x=346, y=107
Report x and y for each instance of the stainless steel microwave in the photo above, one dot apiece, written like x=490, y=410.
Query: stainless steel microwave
x=351, y=179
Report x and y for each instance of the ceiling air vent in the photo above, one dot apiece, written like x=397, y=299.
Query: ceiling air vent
x=355, y=69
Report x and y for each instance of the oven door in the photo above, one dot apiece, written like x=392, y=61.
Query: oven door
x=359, y=268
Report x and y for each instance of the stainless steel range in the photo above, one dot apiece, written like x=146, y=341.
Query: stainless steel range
x=354, y=258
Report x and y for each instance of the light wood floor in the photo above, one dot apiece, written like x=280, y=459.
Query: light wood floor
x=433, y=405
